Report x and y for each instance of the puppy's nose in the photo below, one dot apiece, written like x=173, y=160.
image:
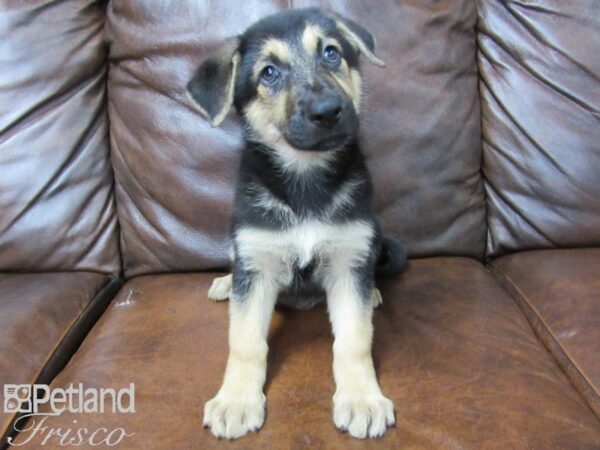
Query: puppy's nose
x=325, y=111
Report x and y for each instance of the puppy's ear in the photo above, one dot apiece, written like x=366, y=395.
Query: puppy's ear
x=213, y=84
x=359, y=37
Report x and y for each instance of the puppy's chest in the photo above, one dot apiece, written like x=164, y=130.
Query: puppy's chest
x=306, y=241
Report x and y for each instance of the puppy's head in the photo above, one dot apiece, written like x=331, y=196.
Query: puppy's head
x=292, y=76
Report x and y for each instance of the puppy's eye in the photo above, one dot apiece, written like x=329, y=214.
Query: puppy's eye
x=270, y=75
x=331, y=54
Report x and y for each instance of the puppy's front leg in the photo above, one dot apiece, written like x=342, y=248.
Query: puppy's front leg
x=358, y=404
x=239, y=406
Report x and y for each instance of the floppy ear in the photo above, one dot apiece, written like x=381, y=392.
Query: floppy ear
x=213, y=84
x=359, y=37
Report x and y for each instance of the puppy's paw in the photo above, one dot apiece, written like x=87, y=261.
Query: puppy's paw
x=220, y=288
x=376, y=298
x=232, y=417
x=363, y=415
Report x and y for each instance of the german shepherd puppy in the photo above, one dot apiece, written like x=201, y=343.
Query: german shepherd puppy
x=304, y=230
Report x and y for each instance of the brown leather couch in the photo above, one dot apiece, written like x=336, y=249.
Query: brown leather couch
x=483, y=138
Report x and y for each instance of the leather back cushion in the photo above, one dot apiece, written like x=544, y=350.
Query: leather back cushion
x=540, y=87
x=56, y=204
x=175, y=174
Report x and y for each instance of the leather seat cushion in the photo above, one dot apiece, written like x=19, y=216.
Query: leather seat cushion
x=452, y=351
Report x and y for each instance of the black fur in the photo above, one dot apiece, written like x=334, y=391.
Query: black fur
x=307, y=195
x=392, y=258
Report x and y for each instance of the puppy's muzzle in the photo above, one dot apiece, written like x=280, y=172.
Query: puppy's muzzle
x=323, y=120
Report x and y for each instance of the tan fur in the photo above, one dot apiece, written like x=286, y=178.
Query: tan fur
x=239, y=406
x=358, y=403
x=356, y=87
x=279, y=107
x=310, y=38
x=350, y=82
x=266, y=114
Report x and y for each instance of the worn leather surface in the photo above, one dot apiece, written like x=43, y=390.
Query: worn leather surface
x=37, y=312
x=540, y=97
x=451, y=349
x=559, y=292
x=56, y=185
x=175, y=174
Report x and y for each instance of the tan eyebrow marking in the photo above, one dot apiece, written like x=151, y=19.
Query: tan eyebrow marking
x=310, y=37
x=277, y=48
x=272, y=48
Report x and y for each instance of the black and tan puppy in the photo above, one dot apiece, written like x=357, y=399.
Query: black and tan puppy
x=304, y=228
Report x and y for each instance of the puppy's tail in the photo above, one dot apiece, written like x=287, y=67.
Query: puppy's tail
x=392, y=257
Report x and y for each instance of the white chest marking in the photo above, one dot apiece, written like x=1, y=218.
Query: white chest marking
x=264, y=250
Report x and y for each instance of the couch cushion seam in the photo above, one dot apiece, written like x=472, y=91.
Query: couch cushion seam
x=59, y=342
x=547, y=329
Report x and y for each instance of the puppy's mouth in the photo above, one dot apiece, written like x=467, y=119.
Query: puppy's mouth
x=330, y=143
x=320, y=145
